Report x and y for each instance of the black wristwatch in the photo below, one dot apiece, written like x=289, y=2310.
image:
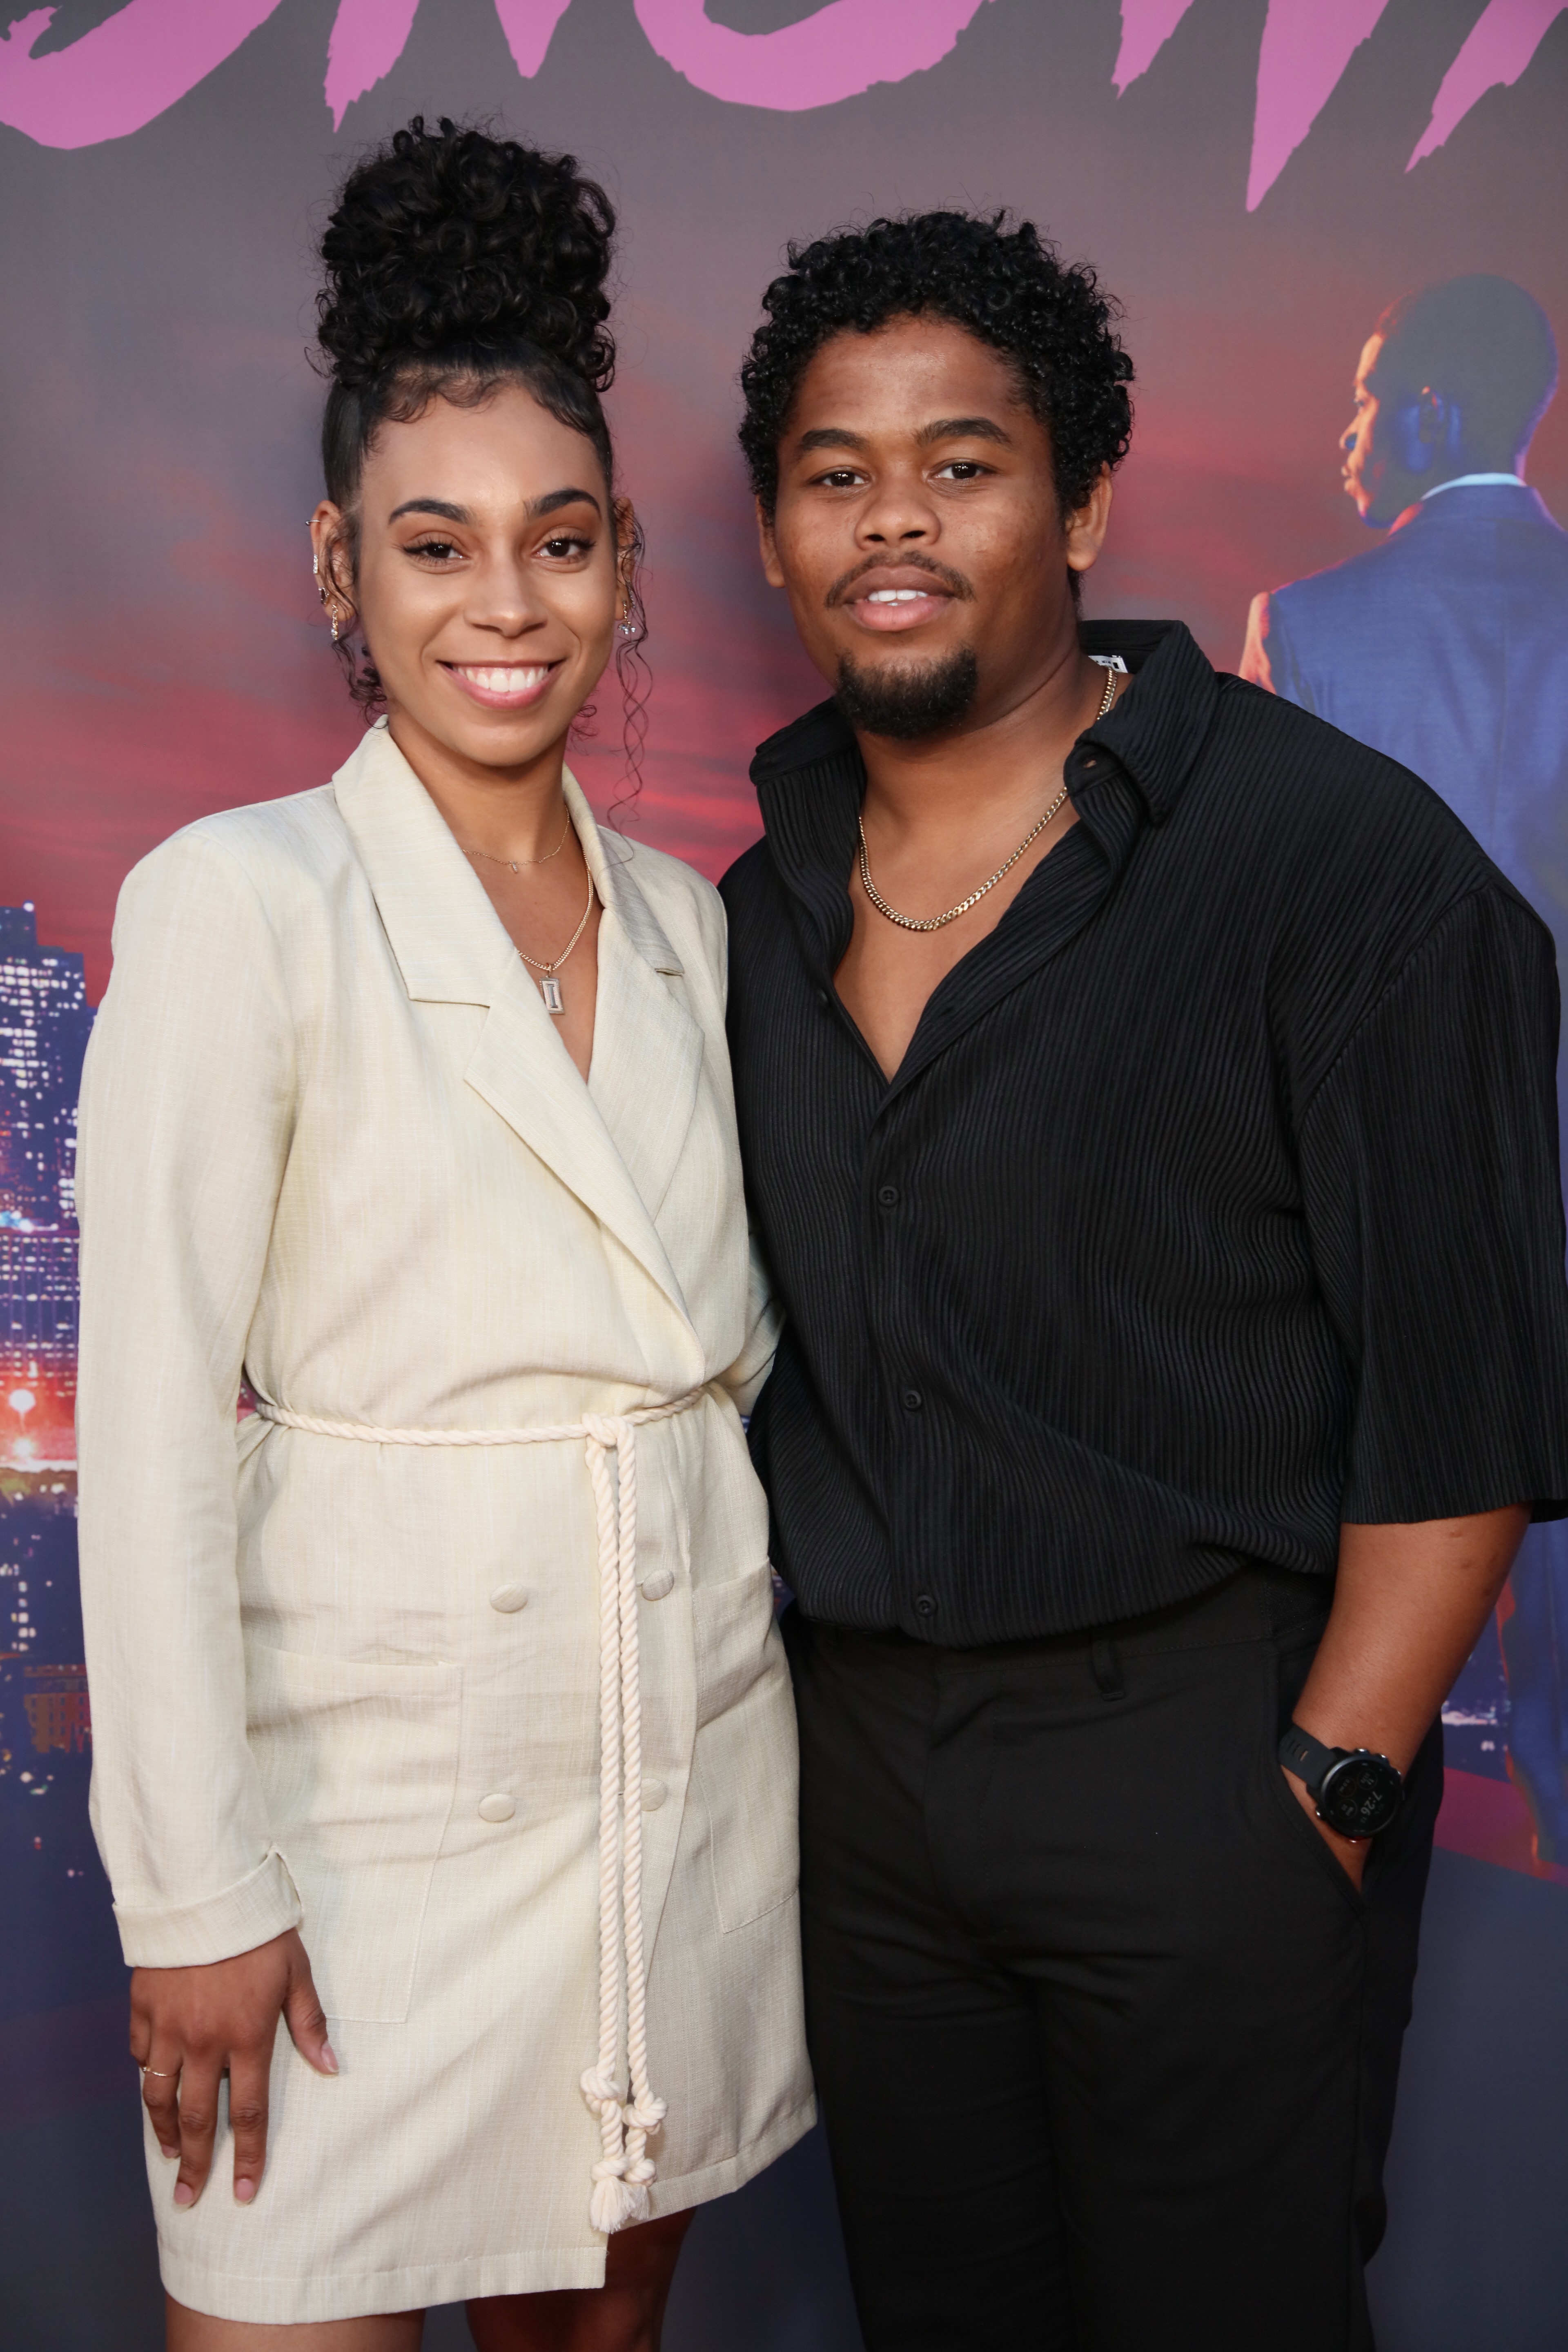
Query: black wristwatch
x=1356, y=1791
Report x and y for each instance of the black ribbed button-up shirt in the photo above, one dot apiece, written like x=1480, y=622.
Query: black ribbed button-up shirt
x=1216, y=1200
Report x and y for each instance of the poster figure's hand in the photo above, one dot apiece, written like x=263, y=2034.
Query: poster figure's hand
x=1351, y=1853
x=189, y=2027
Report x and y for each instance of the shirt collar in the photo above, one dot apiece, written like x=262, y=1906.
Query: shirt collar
x=1154, y=734
x=1474, y=482
x=1157, y=730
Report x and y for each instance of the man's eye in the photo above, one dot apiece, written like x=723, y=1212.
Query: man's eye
x=962, y=469
x=841, y=478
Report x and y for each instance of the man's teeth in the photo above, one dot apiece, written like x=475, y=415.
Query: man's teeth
x=509, y=680
x=898, y=595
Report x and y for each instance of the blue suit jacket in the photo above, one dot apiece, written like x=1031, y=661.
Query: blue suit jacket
x=1447, y=647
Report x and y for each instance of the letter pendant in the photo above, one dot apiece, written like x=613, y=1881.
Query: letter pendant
x=551, y=993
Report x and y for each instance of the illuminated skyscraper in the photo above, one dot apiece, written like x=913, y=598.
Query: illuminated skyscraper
x=45, y=1019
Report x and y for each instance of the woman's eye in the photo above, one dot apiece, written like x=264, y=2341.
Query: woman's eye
x=439, y=550
x=564, y=547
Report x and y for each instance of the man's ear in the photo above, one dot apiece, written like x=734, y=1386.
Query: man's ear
x=1437, y=422
x=768, y=546
x=1086, y=527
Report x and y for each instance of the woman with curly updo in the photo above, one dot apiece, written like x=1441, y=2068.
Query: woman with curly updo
x=439, y=1708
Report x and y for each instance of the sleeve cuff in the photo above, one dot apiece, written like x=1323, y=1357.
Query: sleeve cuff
x=193, y=1935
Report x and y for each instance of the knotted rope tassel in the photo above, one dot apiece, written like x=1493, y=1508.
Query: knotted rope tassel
x=622, y=2175
x=625, y=2169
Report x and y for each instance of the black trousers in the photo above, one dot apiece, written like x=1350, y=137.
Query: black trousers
x=1107, y=2040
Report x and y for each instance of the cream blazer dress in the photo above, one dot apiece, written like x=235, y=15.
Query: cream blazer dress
x=333, y=1144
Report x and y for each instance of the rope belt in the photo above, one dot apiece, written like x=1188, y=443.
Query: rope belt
x=624, y=2168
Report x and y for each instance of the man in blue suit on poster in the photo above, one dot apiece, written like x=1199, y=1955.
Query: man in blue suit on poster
x=1447, y=647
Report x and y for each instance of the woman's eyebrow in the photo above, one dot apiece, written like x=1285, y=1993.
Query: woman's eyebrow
x=442, y=507
x=554, y=498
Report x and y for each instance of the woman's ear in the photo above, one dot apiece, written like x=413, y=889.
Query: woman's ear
x=332, y=562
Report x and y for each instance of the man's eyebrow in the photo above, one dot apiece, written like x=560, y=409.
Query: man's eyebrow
x=830, y=437
x=963, y=428
x=442, y=507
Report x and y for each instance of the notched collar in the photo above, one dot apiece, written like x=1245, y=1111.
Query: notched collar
x=451, y=947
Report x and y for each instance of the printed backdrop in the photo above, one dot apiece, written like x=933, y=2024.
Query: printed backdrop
x=1255, y=179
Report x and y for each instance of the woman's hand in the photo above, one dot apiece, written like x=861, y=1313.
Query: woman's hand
x=191, y=2026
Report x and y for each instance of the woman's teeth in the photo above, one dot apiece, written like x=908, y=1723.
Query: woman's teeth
x=509, y=680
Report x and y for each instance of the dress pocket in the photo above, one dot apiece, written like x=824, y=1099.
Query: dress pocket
x=359, y=1764
x=746, y=1757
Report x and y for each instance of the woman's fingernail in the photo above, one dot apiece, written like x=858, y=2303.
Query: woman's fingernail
x=329, y=2058
x=244, y=2190
x=183, y=2193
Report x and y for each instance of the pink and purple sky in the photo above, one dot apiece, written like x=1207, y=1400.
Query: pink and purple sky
x=162, y=650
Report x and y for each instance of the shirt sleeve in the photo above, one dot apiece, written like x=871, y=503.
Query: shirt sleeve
x=186, y=1117
x=1429, y=1169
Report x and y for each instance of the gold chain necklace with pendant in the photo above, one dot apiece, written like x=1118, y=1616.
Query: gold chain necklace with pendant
x=548, y=986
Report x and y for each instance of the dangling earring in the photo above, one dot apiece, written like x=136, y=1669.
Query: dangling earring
x=334, y=627
x=629, y=628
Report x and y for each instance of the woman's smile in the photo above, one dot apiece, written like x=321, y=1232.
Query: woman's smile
x=502, y=686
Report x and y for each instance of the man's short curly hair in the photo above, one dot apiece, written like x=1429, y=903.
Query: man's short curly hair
x=1007, y=286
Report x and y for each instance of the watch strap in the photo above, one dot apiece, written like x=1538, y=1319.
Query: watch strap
x=1308, y=1758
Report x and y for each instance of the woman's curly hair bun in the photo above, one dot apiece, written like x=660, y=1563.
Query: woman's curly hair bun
x=453, y=239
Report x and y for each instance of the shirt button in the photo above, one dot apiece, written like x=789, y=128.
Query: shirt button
x=912, y=1400
x=509, y=1597
x=497, y=1808
x=925, y=1604
x=653, y=1793
x=888, y=1194
x=822, y=1000
x=656, y=1586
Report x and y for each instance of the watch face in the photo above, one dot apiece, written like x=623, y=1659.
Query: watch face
x=1360, y=1796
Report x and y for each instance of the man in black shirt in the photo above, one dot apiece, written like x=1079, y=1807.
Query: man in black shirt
x=1147, y=1098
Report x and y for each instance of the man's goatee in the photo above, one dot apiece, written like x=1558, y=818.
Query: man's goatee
x=913, y=700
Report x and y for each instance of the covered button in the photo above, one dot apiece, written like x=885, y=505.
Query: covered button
x=496, y=1807
x=653, y=1793
x=508, y=1596
x=656, y=1586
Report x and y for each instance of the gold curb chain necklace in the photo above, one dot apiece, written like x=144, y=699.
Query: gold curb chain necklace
x=937, y=922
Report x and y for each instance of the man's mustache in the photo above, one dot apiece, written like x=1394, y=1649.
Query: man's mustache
x=953, y=581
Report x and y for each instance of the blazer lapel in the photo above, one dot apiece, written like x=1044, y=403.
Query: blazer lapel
x=452, y=948
x=647, y=1049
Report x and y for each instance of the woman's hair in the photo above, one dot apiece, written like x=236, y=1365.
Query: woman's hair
x=1006, y=285
x=456, y=262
